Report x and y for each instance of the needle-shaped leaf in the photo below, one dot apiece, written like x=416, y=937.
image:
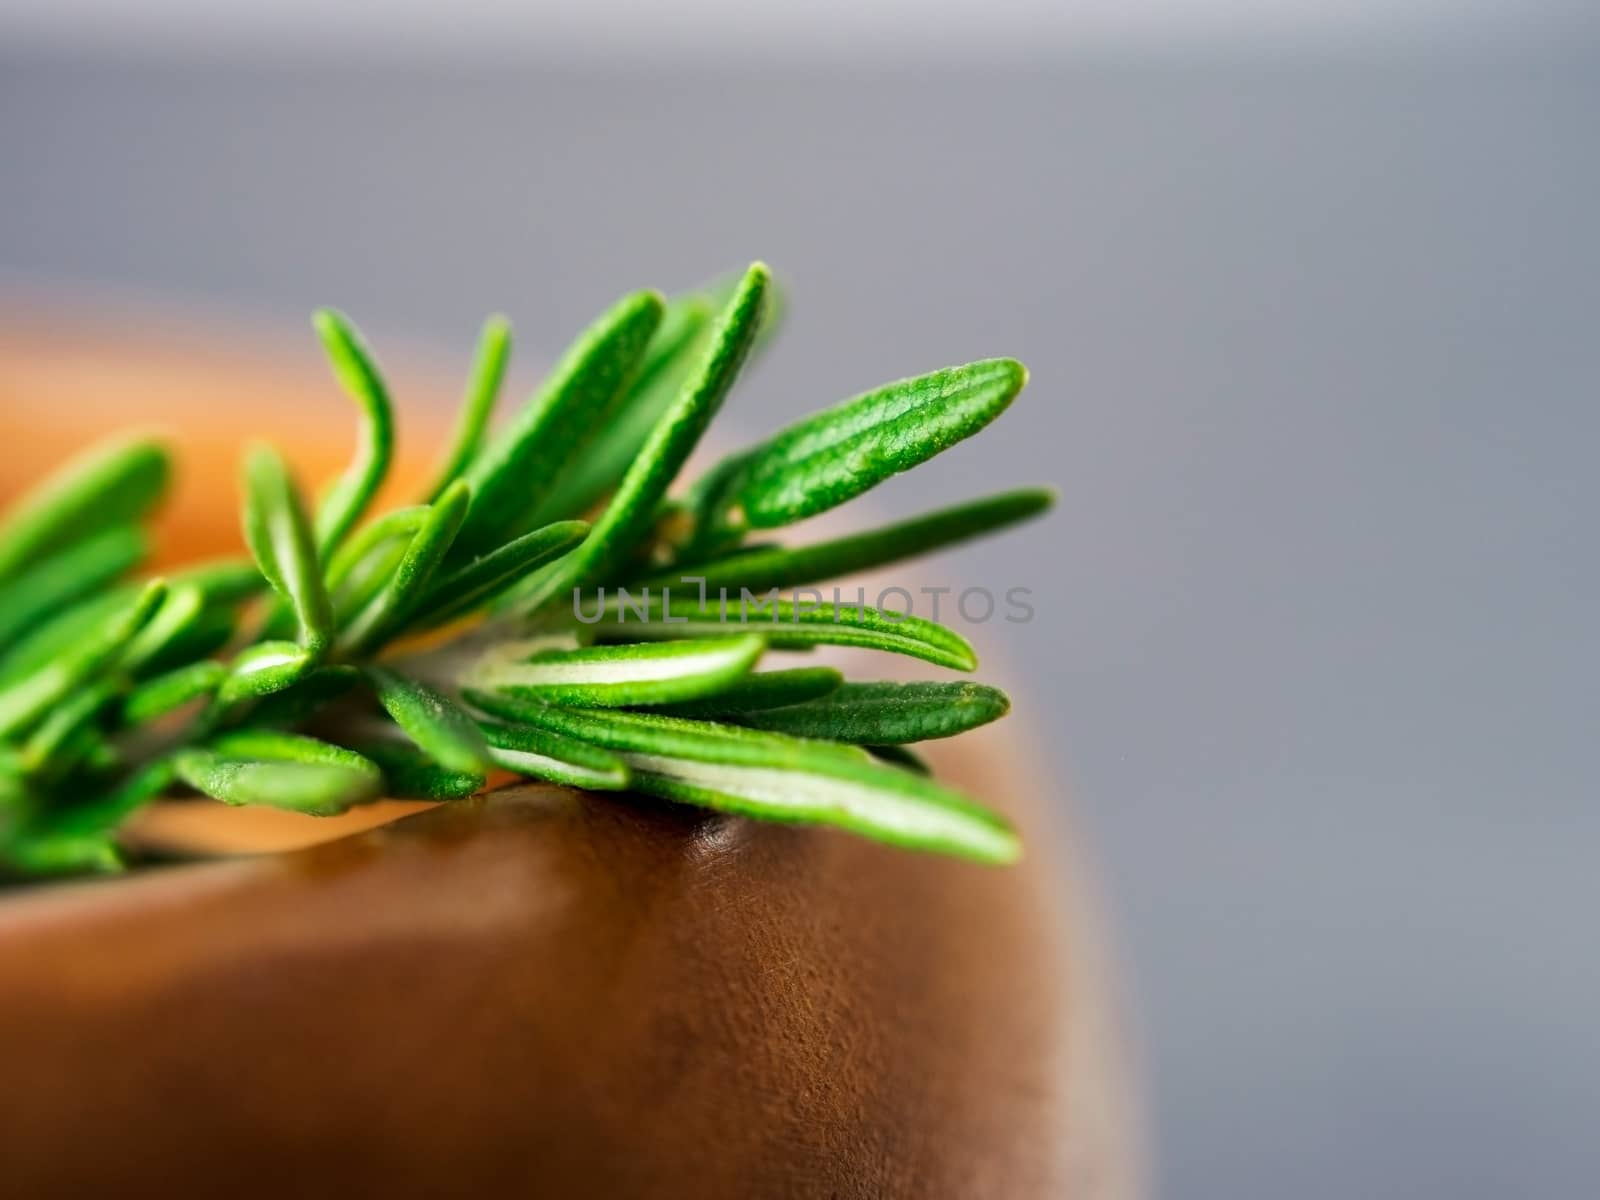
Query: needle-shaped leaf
x=171, y=644
x=23, y=703
x=281, y=770
x=483, y=389
x=264, y=670
x=201, y=637
x=114, y=484
x=166, y=693
x=375, y=622
x=351, y=560
x=780, y=778
x=409, y=774
x=881, y=714
x=316, y=789
x=474, y=584
x=543, y=754
x=47, y=853
x=671, y=356
x=760, y=690
x=78, y=570
x=432, y=721
x=64, y=725
x=512, y=475
x=773, y=305
x=787, y=625
x=841, y=452
x=279, y=537
x=367, y=560
x=60, y=635
x=356, y=372
x=632, y=509
x=181, y=610
x=616, y=676
x=782, y=567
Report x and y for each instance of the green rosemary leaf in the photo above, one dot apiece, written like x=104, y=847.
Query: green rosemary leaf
x=901, y=756
x=202, y=637
x=787, y=625
x=841, y=452
x=430, y=720
x=479, y=581
x=169, y=692
x=670, y=357
x=265, y=669
x=270, y=745
x=279, y=537
x=781, y=778
x=79, y=570
x=483, y=389
x=514, y=472
x=882, y=803
x=180, y=636
x=884, y=714
x=616, y=676
x=415, y=571
x=16, y=794
x=760, y=690
x=773, y=306
x=392, y=530
x=782, y=567
x=409, y=774
x=542, y=754
x=46, y=853
x=26, y=701
x=111, y=485
x=632, y=510
x=366, y=562
x=64, y=725
x=182, y=609
x=59, y=635
x=353, y=366
x=173, y=637
x=281, y=770
x=317, y=789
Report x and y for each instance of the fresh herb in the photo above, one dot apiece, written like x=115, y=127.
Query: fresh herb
x=614, y=656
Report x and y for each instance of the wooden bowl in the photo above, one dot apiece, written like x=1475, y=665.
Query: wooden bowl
x=541, y=991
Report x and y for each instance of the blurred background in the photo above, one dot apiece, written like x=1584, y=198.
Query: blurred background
x=1309, y=291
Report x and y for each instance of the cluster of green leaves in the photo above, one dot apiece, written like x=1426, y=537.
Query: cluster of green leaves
x=297, y=678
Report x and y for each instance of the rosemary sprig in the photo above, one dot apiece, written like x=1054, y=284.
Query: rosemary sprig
x=617, y=655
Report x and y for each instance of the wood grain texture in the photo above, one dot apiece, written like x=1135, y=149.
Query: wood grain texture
x=547, y=993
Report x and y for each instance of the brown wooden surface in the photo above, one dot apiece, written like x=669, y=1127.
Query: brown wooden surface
x=543, y=993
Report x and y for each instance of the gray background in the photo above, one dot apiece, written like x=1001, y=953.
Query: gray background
x=1315, y=368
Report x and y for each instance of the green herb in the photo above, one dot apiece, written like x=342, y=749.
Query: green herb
x=617, y=676
x=440, y=729
x=483, y=389
x=551, y=431
x=110, y=485
x=886, y=714
x=279, y=535
x=352, y=492
x=618, y=655
x=788, y=625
